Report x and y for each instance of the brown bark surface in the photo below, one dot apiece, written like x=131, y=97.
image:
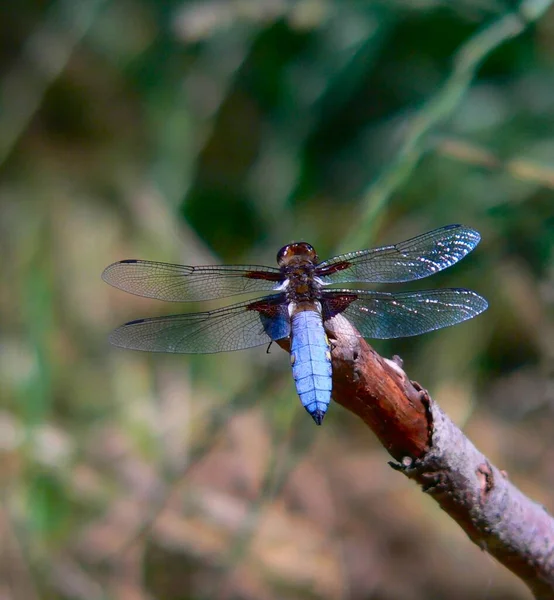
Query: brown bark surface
x=430, y=449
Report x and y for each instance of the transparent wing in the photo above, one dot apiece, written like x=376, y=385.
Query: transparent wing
x=413, y=259
x=381, y=316
x=182, y=283
x=235, y=327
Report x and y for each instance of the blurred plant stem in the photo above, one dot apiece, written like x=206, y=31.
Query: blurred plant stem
x=44, y=56
x=473, y=154
x=467, y=61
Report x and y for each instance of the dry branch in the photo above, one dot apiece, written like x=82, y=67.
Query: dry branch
x=430, y=449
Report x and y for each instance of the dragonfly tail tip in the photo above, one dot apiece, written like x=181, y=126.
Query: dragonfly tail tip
x=317, y=416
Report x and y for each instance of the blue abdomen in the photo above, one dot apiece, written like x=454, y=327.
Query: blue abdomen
x=311, y=363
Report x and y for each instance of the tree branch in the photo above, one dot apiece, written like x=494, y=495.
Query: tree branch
x=430, y=449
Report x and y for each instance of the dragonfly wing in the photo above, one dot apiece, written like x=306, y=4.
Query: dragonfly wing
x=182, y=283
x=235, y=327
x=380, y=315
x=413, y=259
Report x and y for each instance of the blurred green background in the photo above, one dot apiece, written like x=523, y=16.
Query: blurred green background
x=200, y=132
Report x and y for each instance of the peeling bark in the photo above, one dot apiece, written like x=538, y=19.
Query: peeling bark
x=431, y=450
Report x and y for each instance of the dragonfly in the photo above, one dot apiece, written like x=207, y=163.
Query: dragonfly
x=300, y=298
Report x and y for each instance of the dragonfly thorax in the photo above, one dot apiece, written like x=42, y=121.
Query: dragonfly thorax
x=298, y=262
x=302, y=284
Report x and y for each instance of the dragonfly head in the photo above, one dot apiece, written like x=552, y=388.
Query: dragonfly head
x=297, y=252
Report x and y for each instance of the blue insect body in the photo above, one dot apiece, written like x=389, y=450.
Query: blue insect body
x=311, y=363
